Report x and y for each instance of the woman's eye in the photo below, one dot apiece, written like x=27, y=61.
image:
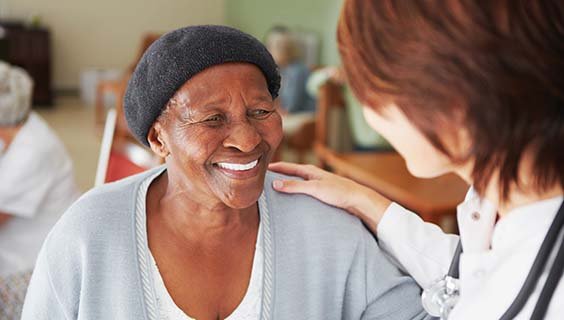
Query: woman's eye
x=260, y=113
x=214, y=118
x=213, y=121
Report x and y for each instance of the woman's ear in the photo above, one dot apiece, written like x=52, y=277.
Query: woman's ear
x=156, y=141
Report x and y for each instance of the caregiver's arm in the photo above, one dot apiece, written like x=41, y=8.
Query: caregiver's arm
x=422, y=249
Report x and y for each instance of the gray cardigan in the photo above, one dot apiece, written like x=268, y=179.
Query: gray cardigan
x=320, y=263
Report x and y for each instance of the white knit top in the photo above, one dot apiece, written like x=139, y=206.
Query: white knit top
x=248, y=309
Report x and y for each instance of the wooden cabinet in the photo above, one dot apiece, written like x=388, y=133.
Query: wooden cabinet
x=30, y=48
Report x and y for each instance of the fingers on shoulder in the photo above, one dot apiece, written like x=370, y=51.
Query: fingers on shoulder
x=295, y=186
x=305, y=171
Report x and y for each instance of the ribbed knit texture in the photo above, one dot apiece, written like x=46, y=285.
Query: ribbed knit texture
x=143, y=251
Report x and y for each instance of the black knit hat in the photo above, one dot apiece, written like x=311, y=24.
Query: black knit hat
x=178, y=56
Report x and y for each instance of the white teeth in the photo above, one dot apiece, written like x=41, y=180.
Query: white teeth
x=237, y=166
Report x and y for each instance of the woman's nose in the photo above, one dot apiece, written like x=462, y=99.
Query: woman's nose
x=243, y=136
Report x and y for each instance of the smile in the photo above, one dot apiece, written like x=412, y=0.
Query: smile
x=238, y=166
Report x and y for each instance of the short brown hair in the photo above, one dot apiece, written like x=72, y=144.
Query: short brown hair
x=498, y=65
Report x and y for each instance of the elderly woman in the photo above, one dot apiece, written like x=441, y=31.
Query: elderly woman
x=202, y=237
x=36, y=186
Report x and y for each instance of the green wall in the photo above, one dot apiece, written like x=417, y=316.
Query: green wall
x=319, y=16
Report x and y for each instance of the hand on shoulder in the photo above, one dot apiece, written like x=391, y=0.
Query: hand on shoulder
x=361, y=201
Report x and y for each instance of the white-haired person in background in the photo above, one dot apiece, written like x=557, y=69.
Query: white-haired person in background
x=284, y=48
x=297, y=106
x=36, y=186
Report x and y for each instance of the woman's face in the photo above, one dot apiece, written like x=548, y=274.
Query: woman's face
x=422, y=158
x=220, y=132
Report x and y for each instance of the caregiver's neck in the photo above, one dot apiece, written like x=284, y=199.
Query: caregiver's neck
x=526, y=193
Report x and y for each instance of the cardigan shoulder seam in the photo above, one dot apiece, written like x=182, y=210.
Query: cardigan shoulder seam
x=52, y=287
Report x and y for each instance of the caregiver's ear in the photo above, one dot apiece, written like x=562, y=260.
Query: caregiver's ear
x=156, y=141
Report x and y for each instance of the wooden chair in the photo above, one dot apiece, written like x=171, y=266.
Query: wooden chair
x=120, y=155
x=301, y=141
x=385, y=172
x=330, y=104
x=299, y=134
x=117, y=87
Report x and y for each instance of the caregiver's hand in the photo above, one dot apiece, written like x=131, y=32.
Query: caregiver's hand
x=363, y=202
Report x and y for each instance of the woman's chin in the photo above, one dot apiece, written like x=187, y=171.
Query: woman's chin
x=242, y=198
x=423, y=171
x=241, y=203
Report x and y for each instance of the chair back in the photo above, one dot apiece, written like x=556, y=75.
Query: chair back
x=146, y=42
x=332, y=132
x=120, y=155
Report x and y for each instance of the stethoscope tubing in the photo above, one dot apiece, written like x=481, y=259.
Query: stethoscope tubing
x=539, y=264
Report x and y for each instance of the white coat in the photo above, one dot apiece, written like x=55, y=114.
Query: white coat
x=496, y=257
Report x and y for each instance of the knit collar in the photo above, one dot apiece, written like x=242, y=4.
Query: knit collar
x=147, y=281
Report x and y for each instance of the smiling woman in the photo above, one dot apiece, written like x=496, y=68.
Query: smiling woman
x=205, y=236
x=237, y=130
x=217, y=144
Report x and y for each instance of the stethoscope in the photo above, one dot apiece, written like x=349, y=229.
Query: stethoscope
x=441, y=297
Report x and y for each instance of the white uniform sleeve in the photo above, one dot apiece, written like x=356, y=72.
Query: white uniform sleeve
x=24, y=186
x=422, y=249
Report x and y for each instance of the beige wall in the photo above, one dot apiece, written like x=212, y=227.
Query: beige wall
x=106, y=33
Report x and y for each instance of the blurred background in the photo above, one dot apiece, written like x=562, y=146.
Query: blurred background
x=80, y=55
x=70, y=46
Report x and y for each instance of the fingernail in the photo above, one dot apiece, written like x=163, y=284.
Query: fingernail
x=277, y=184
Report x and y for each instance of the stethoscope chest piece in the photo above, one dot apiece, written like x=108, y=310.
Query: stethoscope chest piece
x=441, y=297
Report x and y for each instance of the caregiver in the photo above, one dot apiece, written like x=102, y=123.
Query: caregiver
x=475, y=88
